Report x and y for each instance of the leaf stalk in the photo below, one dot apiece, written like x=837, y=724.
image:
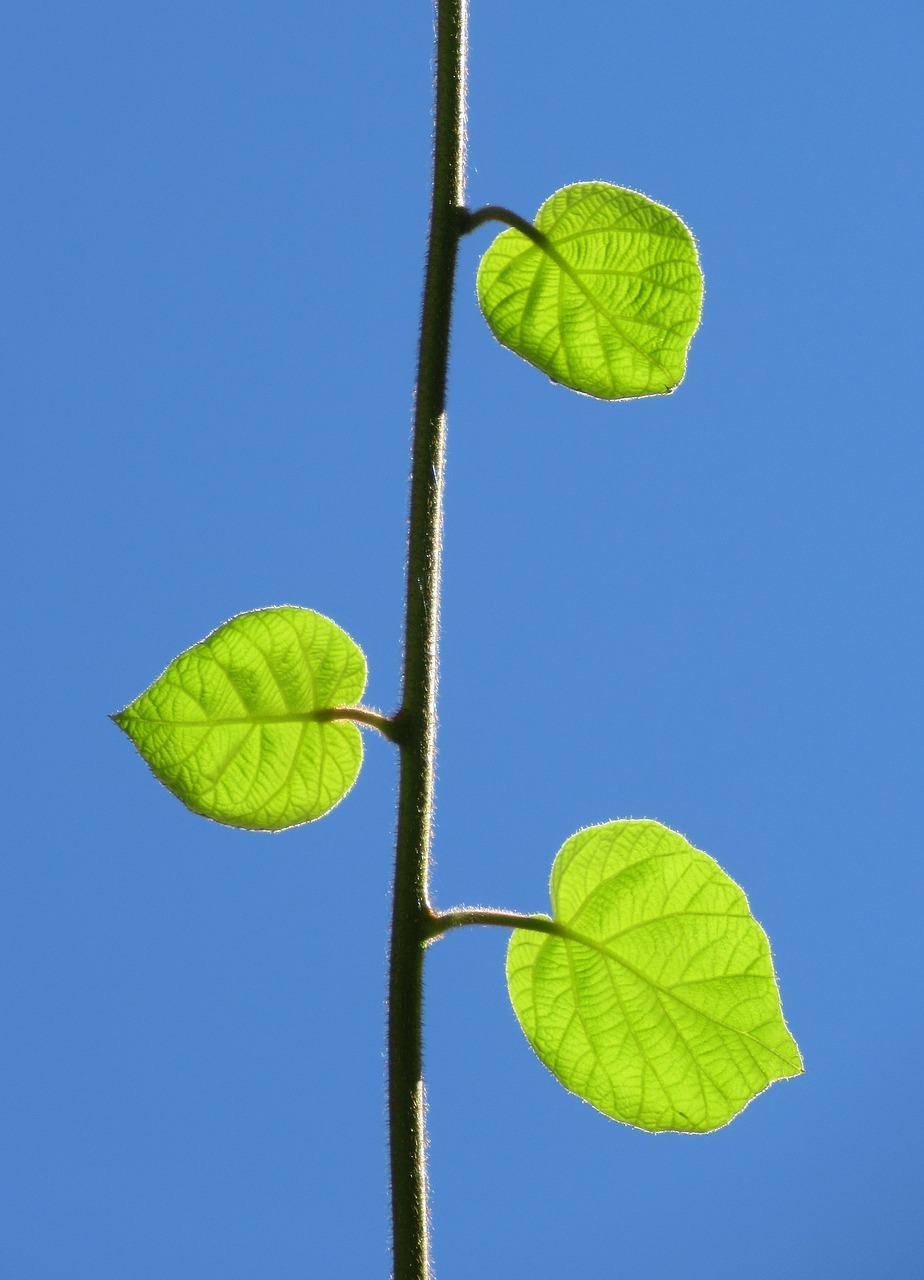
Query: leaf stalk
x=443, y=921
x=387, y=726
x=471, y=221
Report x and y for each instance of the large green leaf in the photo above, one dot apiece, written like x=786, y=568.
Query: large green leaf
x=655, y=999
x=608, y=302
x=235, y=726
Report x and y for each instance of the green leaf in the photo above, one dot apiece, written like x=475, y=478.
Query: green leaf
x=609, y=301
x=655, y=998
x=235, y=726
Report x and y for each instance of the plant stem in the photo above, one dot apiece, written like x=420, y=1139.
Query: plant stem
x=471, y=221
x=386, y=725
x=415, y=725
x=458, y=917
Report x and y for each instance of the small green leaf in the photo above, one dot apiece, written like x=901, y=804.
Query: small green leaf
x=235, y=726
x=655, y=999
x=608, y=303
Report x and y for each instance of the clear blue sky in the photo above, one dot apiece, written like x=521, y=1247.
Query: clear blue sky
x=704, y=608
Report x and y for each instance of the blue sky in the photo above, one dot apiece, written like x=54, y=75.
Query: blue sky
x=703, y=608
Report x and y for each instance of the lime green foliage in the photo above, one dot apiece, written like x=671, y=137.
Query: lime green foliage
x=655, y=1000
x=608, y=302
x=235, y=726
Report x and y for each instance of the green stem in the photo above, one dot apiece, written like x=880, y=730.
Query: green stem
x=415, y=724
x=386, y=725
x=443, y=921
x=497, y=213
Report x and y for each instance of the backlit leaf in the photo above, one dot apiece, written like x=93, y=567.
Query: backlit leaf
x=656, y=999
x=235, y=728
x=608, y=304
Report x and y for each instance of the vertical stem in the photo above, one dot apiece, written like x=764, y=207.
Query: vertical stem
x=417, y=718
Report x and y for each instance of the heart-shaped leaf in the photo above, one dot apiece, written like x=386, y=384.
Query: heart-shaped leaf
x=608, y=301
x=236, y=727
x=655, y=998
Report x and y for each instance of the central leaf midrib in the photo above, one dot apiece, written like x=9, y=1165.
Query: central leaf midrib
x=568, y=934
x=549, y=248
x=318, y=715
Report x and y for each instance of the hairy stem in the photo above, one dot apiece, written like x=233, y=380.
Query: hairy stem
x=443, y=921
x=386, y=725
x=415, y=724
x=471, y=221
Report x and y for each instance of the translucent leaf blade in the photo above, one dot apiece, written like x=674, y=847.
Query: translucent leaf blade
x=656, y=1000
x=234, y=726
x=609, y=305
